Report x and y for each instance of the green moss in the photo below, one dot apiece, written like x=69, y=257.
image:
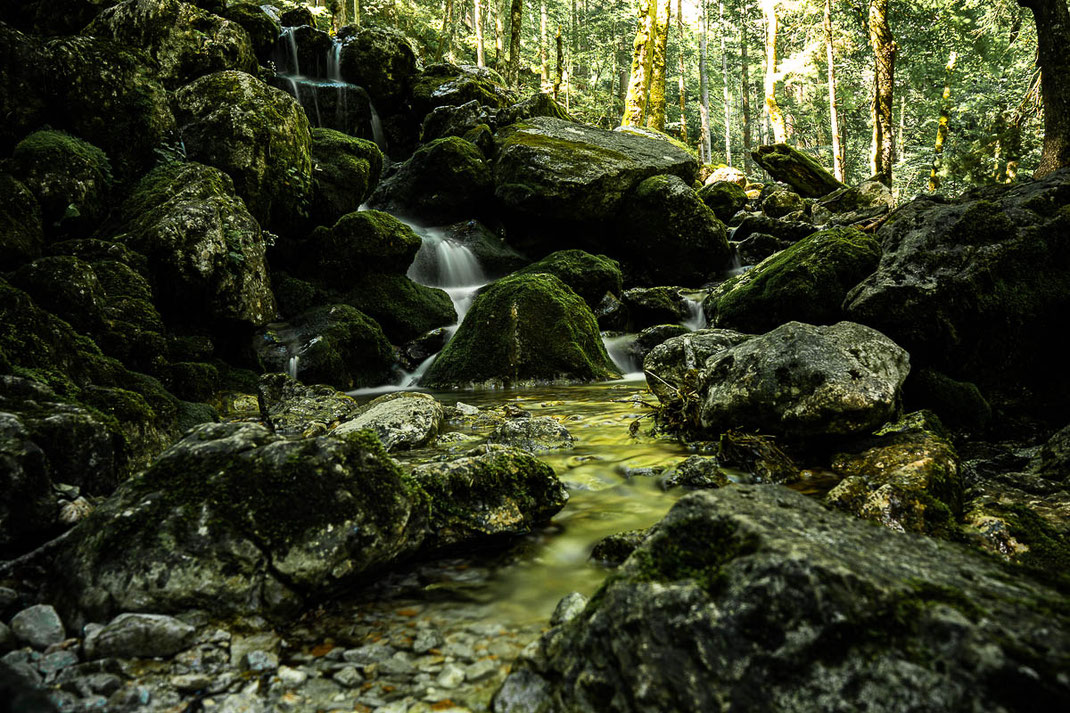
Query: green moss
x=724, y=198
x=60, y=149
x=1048, y=557
x=346, y=171
x=693, y=549
x=589, y=276
x=359, y=243
x=403, y=308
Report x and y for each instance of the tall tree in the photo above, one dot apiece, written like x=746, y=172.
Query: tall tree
x=884, y=49
x=772, y=108
x=705, y=149
x=680, y=68
x=642, y=58
x=727, y=91
x=942, y=126
x=834, y=111
x=560, y=63
x=477, y=20
x=655, y=105
x=516, y=15
x=544, y=61
x=1053, y=56
x=744, y=93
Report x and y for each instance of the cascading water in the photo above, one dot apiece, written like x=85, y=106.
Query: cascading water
x=621, y=350
x=697, y=318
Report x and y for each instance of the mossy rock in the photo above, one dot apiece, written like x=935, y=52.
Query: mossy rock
x=495, y=255
x=538, y=104
x=94, y=250
x=70, y=178
x=589, y=276
x=650, y=306
x=293, y=294
x=262, y=29
x=360, y=242
x=446, y=84
x=184, y=41
x=383, y=62
x=403, y=308
x=21, y=235
x=120, y=280
x=444, y=181
x=959, y=403
x=255, y=133
x=346, y=170
x=807, y=283
x=666, y=235
x=801, y=172
x=724, y=198
x=67, y=287
x=524, y=329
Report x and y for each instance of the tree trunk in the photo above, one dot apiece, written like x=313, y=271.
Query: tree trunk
x=499, y=35
x=642, y=58
x=776, y=116
x=727, y=93
x=445, y=34
x=744, y=88
x=705, y=149
x=680, y=69
x=478, y=22
x=1053, y=40
x=516, y=14
x=834, y=111
x=655, y=106
x=884, y=48
x=544, y=61
x=942, y=127
x=560, y=62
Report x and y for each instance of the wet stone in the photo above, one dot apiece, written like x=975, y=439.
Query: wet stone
x=191, y=682
x=56, y=661
x=369, y=654
x=570, y=605
x=39, y=626
x=291, y=677
x=426, y=640
x=349, y=677
x=481, y=669
x=260, y=661
x=451, y=676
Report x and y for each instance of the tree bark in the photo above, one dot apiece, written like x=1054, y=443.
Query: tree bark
x=942, y=127
x=655, y=106
x=516, y=14
x=1053, y=39
x=705, y=149
x=744, y=93
x=834, y=111
x=544, y=61
x=884, y=49
x=727, y=92
x=499, y=34
x=477, y=19
x=446, y=33
x=642, y=58
x=680, y=69
x=560, y=62
x=776, y=116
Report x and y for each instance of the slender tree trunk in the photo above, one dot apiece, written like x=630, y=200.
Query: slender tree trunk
x=834, y=111
x=642, y=58
x=655, y=114
x=680, y=69
x=478, y=22
x=942, y=127
x=1053, y=39
x=499, y=34
x=727, y=92
x=884, y=48
x=744, y=87
x=776, y=116
x=560, y=62
x=705, y=148
x=544, y=61
x=444, y=36
x=516, y=15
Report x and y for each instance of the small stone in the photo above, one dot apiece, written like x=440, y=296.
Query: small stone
x=397, y=665
x=139, y=635
x=368, y=654
x=467, y=409
x=568, y=608
x=95, y=703
x=39, y=626
x=189, y=682
x=291, y=677
x=459, y=650
x=349, y=677
x=401, y=706
x=452, y=676
x=103, y=683
x=56, y=661
x=260, y=661
x=426, y=640
x=243, y=644
x=481, y=669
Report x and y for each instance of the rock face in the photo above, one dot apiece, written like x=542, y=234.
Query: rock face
x=401, y=421
x=974, y=288
x=801, y=380
x=807, y=283
x=802, y=173
x=524, y=329
x=184, y=41
x=255, y=133
x=205, y=251
x=756, y=598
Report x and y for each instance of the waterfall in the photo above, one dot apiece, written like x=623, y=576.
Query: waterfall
x=291, y=368
x=377, y=129
x=621, y=352
x=334, y=62
x=289, y=52
x=697, y=318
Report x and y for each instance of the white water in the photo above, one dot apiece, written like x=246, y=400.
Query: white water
x=377, y=128
x=619, y=349
x=697, y=320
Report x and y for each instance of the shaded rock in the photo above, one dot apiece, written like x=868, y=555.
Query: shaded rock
x=138, y=636
x=724, y=198
x=789, y=231
x=758, y=456
x=451, y=121
x=67, y=287
x=454, y=85
x=360, y=242
x=524, y=329
x=611, y=551
x=538, y=104
x=205, y=251
x=779, y=203
x=297, y=17
x=672, y=367
x=1053, y=459
x=382, y=61
x=589, y=276
x=959, y=404
x=807, y=282
x=291, y=408
x=758, y=246
x=696, y=472
x=21, y=234
x=801, y=380
x=855, y=205
x=737, y=583
x=183, y=40
x=257, y=134
x=444, y=181
x=28, y=508
x=612, y=314
x=796, y=169
x=491, y=491
x=651, y=337
x=345, y=172
x=402, y=420
x=38, y=626
x=495, y=256
x=403, y=308
x=649, y=306
x=532, y=434
x=262, y=29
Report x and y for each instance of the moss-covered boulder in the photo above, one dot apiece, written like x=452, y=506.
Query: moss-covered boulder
x=672, y=367
x=401, y=420
x=205, y=251
x=21, y=234
x=184, y=41
x=524, y=329
x=538, y=104
x=67, y=287
x=345, y=172
x=724, y=198
x=358, y=243
x=666, y=235
x=589, y=276
x=975, y=288
x=262, y=29
x=335, y=344
x=70, y=178
x=255, y=133
x=807, y=283
x=774, y=603
x=453, y=85
x=452, y=121
x=382, y=61
x=855, y=205
x=403, y=308
x=28, y=509
x=790, y=166
x=445, y=180
x=788, y=231
x=291, y=408
x=778, y=202
x=959, y=404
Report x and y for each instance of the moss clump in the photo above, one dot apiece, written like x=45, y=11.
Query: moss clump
x=70, y=178
x=359, y=243
x=807, y=283
x=589, y=276
x=724, y=198
x=524, y=329
x=403, y=308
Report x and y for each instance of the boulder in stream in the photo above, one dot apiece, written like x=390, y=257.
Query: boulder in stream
x=345, y=172
x=401, y=420
x=291, y=408
x=589, y=276
x=539, y=433
x=672, y=367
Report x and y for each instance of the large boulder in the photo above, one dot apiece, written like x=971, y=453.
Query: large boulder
x=358, y=243
x=383, y=62
x=589, y=276
x=757, y=598
x=263, y=30
x=255, y=133
x=444, y=181
x=806, y=283
x=855, y=205
x=524, y=329
x=345, y=172
x=672, y=367
x=802, y=173
x=21, y=233
x=453, y=85
x=184, y=41
x=667, y=235
x=205, y=251
x=403, y=308
x=724, y=198
x=976, y=287
x=801, y=380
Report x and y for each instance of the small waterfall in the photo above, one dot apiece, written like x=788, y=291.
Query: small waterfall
x=377, y=129
x=334, y=62
x=621, y=352
x=697, y=318
x=289, y=53
x=291, y=368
